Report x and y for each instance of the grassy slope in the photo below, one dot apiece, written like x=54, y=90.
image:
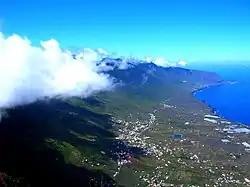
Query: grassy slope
x=46, y=144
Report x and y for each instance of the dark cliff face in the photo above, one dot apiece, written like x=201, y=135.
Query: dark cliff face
x=137, y=73
x=148, y=79
x=164, y=75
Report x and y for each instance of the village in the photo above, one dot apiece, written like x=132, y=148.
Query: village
x=175, y=151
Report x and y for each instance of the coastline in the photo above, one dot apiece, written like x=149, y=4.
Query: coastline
x=213, y=110
x=220, y=83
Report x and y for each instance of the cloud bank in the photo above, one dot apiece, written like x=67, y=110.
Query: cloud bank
x=163, y=62
x=29, y=73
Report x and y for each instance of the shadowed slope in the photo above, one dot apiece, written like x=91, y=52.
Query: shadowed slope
x=46, y=143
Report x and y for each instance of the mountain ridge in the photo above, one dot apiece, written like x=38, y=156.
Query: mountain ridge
x=114, y=135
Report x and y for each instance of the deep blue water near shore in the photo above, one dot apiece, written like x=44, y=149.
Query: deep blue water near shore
x=231, y=101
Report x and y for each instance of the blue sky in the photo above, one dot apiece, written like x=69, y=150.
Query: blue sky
x=191, y=30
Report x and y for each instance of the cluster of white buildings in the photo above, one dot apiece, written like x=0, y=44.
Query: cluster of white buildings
x=135, y=134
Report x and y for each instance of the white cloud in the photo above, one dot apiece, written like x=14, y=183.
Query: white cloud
x=159, y=61
x=29, y=73
x=148, y=59
x=182, y=63
x=163, y=62
x=102, y=51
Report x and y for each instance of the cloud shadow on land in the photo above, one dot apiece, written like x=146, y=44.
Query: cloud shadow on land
x=75, y=132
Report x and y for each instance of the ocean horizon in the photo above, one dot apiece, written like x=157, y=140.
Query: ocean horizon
x=230, y=101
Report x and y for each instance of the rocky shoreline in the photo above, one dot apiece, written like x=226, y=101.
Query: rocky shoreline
x=214, y=111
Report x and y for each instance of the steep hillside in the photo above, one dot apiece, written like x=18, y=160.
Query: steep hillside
x=114, y=137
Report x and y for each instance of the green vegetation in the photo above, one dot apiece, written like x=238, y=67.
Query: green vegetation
x=83, y=141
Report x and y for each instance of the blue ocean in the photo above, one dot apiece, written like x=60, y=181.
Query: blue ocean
x=231, y=101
